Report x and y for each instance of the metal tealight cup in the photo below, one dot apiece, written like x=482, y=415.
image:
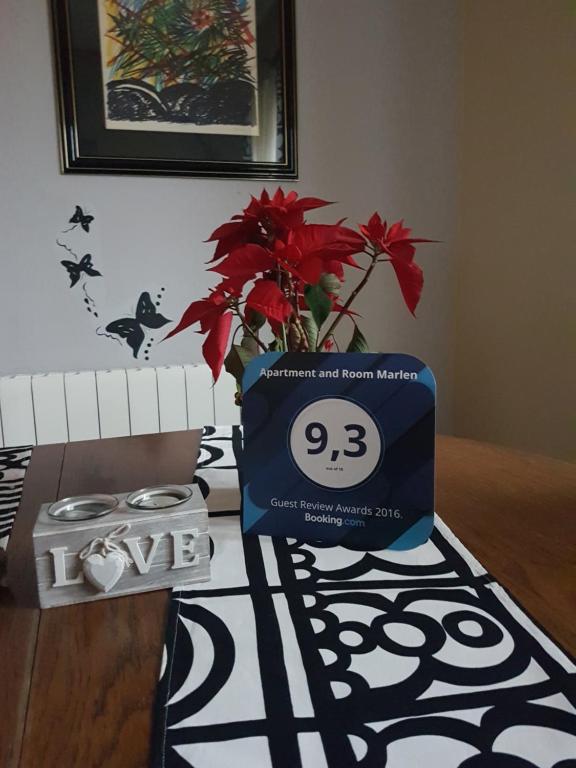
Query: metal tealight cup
x=87, y=507
x=159, y=497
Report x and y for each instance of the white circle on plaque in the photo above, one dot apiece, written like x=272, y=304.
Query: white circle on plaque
x=335, y=443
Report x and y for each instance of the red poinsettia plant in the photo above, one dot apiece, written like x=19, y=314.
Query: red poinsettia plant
x=282, y=277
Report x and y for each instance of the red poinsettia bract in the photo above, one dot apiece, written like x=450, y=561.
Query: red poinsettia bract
x=395, y=242
x=263, y=221
x=215, y=318
x=267, y=298
x=313, y=250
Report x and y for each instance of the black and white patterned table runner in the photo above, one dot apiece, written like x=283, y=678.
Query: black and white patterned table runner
x=321, y=657
x=13, y=465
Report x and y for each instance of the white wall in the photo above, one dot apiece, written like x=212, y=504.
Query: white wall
x=516, y=359
x=376, y=130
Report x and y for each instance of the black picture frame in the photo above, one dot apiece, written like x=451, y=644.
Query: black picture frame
x=88, y=146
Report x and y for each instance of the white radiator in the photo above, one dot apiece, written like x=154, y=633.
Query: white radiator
x=62, y=407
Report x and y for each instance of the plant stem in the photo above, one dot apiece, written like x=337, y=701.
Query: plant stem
x=355, y=292
x=280, y=280
x=249, y=330
x=284, y=338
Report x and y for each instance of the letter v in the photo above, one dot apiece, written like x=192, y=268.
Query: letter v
x=133, y=545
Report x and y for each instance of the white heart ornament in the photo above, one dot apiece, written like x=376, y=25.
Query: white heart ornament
x=104, y=571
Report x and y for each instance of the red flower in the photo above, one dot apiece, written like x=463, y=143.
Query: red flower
x=329, y=242
x=315, y=249
x=244, y=263
x=291, y=265
x=310, y=250
x=291, y=258
x=235, y=234
x=263, y=221
x=281, y=211
x=395, y=241
x=411, y=280
x=267, y=298
x=202, y=311
x=215, y=319
x=214, y=347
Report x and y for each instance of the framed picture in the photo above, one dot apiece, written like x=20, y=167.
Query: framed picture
x=177, y=87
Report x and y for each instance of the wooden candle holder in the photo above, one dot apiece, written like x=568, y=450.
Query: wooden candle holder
x=97, y=546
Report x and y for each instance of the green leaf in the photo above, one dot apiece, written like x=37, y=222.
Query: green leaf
x=358, y=343
x=275, y=345
x=257, y=320
x=330, y=283
x=250, y=344
x=311, y=330
x=236, y=361
x=318, y=303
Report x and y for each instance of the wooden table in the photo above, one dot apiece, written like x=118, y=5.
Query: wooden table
x=77, y=683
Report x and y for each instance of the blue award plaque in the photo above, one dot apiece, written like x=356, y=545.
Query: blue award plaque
x=339, y=448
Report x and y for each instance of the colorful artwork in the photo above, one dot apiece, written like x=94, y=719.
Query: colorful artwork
x=180, y=65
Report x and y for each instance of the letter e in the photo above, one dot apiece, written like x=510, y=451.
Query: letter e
x=181, y=547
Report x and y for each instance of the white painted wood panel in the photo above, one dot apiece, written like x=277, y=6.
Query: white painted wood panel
x=199, y=395
x=225, y=409
x=112, y=390
x=82, y=404
x=17, y=410
x=143, y=401
x=50, y=408
x=172, y=398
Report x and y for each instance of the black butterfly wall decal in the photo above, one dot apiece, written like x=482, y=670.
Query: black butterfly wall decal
x=131, y=328
x=75, y=269
x=82, y=218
